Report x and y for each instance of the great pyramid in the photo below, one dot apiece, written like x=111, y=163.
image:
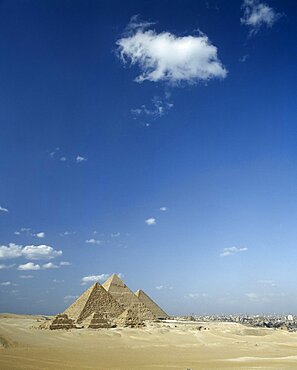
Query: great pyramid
x=94, y=300
x=126, y=298
x=151, y=305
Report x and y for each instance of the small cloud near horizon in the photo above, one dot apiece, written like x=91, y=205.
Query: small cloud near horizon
x=231, y=251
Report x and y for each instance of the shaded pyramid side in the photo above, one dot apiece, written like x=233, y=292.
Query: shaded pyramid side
x=126, y=298
x=95, y=300
x=151, y=305
x=74, y=310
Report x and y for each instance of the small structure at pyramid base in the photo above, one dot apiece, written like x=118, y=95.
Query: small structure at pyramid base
x=151, y=305
x=61, y=321
x=129, y=319
x=99, y=321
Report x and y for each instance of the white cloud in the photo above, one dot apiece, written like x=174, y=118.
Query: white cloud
x=36, y=252
x=54, y=152
x=26, y=277
x=94, y=278
x=50, y=265
x=115, y=235
x=40, y=235
x=159, y=287
x=70, y=297
x=163, y=209
x=252, y=296
x=4, y=267
x=63, y=159
x=5, y=283
x=65, y=263
x=151, y=221
x=167, y=57
x=93, y=241
x=67, y=233
x=257, y=14
x=272, y=283
x=10, y=251
x=197, y=295
x=2, y=209
x=159, y=108
x=58, y=281
x=231, y=251
x=33, y=252
x=29, y=266
x=80, y=159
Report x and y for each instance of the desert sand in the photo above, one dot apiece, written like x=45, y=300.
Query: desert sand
x=168, y=345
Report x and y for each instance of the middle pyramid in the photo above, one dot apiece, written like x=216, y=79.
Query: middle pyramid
x=126, y=298
x=94, y=300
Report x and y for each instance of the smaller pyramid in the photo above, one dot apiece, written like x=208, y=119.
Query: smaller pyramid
x=61, y=322
x=99, y=321
x=126, y=298
x=94, y=300
x=151, y=305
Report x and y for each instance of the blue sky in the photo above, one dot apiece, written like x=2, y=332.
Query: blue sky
x=152, y=139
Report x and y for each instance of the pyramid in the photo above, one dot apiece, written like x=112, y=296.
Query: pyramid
x=151, y=305
x=61, y=322
x=126, y=298
x=94, y=300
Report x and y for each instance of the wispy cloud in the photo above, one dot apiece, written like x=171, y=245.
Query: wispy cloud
x=68, y=233
x=65, y=263
x=93, y=241
x=70, y=297
x=5, y=283
x=94, y=278
x=167, y=57
x=151, y=221
x=163, y=209
x=40, y=235
x=231, y=251
x=63, y=159
x=197, y=295
x=2, y=209
x=54, y=152
x=159, y=108
x=271, y=283
x=159, y=287
x=80, y=159
x=257, y=14
x=33, y=252
x=26, y=277
x=4, y=267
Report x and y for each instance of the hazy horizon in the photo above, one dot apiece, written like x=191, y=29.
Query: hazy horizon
x=156, y=140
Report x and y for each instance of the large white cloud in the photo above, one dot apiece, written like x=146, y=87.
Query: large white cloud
x=33, y=252
x=167, y=57
x=257, y=14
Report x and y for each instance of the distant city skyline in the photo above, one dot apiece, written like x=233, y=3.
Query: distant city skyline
x=155, y=140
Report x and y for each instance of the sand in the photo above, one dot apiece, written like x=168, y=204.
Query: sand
x=174, y=345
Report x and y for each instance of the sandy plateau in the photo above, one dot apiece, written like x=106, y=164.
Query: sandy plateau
x=170, y=345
